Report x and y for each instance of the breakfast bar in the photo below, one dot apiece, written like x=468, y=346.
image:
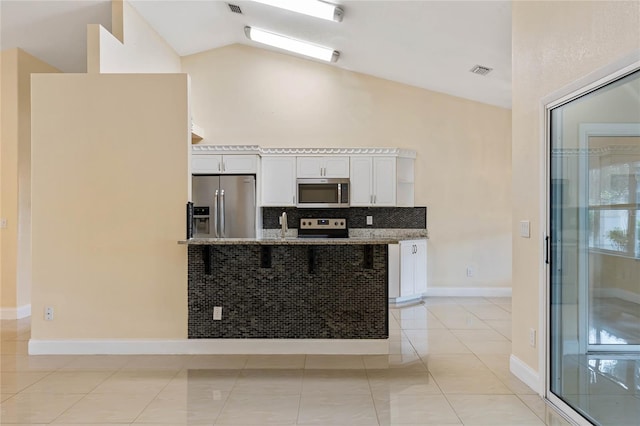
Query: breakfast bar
x=288, y=288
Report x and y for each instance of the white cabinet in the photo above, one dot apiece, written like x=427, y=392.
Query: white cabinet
x=220, y=164
x=278, y=181
x=373, y=181
x=316, y=167
x=407, y=270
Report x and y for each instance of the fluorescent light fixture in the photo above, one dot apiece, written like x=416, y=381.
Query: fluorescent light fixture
x=316, y=8
x=292, y=45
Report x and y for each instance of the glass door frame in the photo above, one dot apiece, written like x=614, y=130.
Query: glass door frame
x=589, y=83
x=585, y=131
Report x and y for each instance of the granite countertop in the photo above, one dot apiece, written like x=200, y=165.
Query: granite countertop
x=356, y=237
x=289, y=241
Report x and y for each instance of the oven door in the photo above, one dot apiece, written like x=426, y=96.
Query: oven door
x=314, y=193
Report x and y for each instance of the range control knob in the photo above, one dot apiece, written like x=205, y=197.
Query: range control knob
x=341, y=223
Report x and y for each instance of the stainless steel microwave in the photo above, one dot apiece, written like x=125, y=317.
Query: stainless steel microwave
x=323, y=192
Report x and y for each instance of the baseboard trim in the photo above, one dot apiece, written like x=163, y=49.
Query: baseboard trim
x=20, y=312
x=209, y=347
x=469, y=292
x=528, y=375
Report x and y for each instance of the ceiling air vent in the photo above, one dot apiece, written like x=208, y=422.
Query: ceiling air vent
x=234, y=8
x=482, y=70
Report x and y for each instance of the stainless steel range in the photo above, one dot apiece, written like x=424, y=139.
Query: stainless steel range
x=323, y=228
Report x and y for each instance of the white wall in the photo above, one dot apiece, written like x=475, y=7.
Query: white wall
x=244, y=95
x=141, y=50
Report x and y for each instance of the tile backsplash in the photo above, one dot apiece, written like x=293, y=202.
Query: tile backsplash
x=383, y=217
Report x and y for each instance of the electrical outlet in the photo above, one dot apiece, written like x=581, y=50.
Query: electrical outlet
x=217, y=313
x=532, y=337
x=48, y=313
x=3, y=223
x=470, y=271
x=369, y=220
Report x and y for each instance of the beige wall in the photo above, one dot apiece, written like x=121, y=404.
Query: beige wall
x=243, y=95
x=15, y=145
x=141, y=50
x=554, y=44
x=109, y=186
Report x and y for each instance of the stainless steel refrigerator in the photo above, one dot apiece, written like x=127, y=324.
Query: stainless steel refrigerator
x=224, y=206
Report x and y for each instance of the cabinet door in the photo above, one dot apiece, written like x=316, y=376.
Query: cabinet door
x=278, y=181
x=309, y=167
x=361, y=184
x=407, y=268
x=206, y=163
x=384, y=181
x=240, y=163
x=336, y=167
x=420, y=256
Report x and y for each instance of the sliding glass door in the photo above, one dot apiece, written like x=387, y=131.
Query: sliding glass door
x=594, y=252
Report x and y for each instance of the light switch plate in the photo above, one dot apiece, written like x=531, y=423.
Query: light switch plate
x=369, y=220
x=525, y=229
x=3, y=223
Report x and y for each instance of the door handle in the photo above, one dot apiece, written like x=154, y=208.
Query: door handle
x=547, y=241
x=215, y=214
x=222, y=221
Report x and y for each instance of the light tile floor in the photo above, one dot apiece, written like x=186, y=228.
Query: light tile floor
x=449, y=365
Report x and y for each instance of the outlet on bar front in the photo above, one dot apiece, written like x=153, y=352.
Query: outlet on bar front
x=217, y=313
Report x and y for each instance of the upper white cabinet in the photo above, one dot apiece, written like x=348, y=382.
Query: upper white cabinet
x=278, y=181
x=379, y=177
x=221, y=164
x=373, y=181
x=382, y=181
x=329, y=166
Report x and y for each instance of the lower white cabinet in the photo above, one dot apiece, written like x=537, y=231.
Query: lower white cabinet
x=407, y=270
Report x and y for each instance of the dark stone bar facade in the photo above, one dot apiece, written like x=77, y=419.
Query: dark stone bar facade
x=289, y=291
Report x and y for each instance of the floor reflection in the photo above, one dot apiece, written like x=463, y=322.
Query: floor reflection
x=605, y=388
x=614, y=321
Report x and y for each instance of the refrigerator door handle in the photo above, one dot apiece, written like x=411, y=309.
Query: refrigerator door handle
x=222, y=227
x=215, y=214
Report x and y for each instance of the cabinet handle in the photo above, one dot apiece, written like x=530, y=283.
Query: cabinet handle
x=220, y=167
x=224, y=167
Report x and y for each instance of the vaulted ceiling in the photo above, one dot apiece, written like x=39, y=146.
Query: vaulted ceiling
x=427, y=44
